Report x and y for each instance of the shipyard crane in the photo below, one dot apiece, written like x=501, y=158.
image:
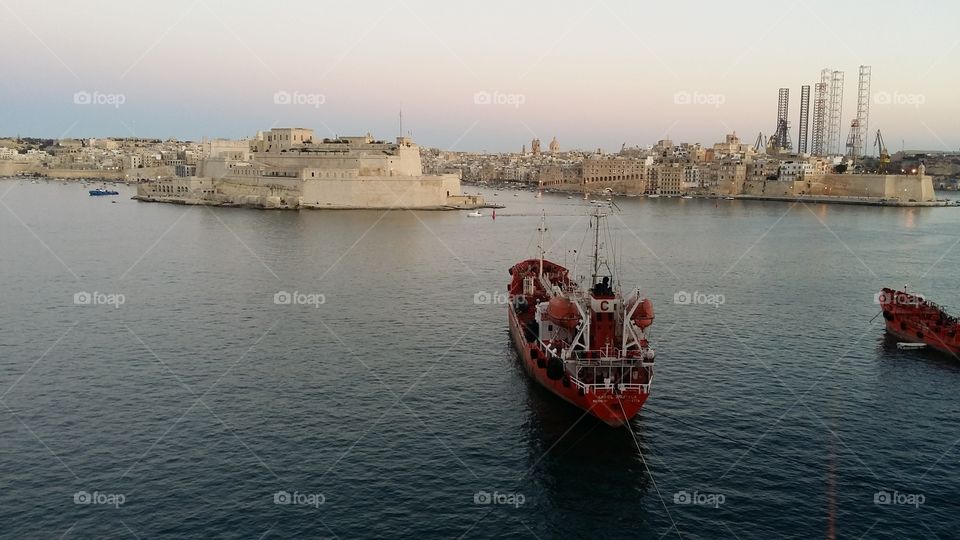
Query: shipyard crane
x=761, y=145
x=882, y=152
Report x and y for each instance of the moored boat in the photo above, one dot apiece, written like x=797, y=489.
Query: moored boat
x=587, y=343
x=917, y=321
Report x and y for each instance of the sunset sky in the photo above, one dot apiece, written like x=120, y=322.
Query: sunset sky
x=591, y=73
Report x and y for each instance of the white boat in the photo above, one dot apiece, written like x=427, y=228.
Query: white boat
x=729, y=199
x=909, y=346
x=475, y=213
x=653, y=196
x=686, y=197
x=569, y=196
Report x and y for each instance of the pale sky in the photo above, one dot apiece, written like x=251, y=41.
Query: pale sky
x=592, y=73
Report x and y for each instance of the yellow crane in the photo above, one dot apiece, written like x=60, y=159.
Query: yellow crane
x=884, y=155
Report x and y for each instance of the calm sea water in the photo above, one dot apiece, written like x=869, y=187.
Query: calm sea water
x=179, y=399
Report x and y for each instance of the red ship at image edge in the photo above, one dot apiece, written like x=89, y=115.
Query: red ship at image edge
x=914, y=319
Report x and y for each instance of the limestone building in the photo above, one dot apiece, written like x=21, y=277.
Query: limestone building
x=554, y=146
x=292, y=168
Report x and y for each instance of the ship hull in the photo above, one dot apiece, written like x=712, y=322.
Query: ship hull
x=933, y=341
x=610, y=408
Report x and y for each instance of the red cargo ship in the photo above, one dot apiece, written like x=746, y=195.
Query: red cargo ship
x=587, y=344
x=914, y=319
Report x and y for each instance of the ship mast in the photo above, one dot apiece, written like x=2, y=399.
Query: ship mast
x=542, y=228
x=596, y=246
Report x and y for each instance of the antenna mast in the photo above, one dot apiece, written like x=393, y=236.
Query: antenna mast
x=543, y=223
x=596, y=246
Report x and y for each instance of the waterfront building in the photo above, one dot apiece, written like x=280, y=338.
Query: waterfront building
x=794, y=169
x=555, y=175
x=731, y=176
x=290, y=168
x=609, y=169
x=670, y=177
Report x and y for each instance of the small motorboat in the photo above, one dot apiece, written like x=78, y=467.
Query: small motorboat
x=729, y=199
x=100, y=192
x=569, y=197
x=686, y=197
x=475, y=213
x=653, y=196
x=906, y=345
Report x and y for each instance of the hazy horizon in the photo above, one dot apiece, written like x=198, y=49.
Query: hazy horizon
x=475, y=77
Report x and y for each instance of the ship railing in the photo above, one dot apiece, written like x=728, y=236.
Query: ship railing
x=605, y=357
x=625, y=388
x=617, y=375
x=609, y=363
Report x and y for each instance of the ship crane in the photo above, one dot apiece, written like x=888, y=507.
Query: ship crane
x=883, y=153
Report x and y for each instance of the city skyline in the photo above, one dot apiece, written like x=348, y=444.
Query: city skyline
x=593, y=74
